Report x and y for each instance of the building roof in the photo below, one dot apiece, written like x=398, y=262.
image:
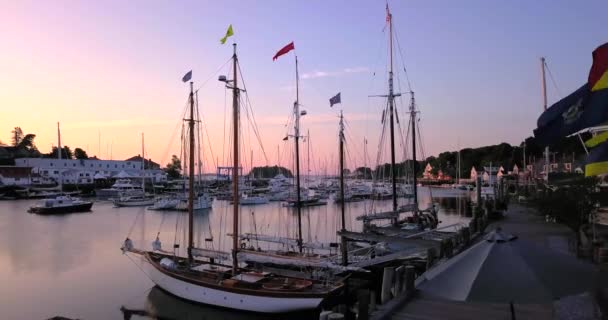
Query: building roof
x=149, y=164
x=15, y=172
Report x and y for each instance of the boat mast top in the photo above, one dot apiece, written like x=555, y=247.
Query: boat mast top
x=414, y=160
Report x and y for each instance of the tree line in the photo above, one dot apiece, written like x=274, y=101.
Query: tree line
x=22, y=145
x=502, y=154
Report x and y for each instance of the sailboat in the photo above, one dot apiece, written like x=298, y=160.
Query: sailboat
x=62, y=203
x=394, y=215
x=137, y=200
x=305, y=257
x=301, y=198
x=209, y=282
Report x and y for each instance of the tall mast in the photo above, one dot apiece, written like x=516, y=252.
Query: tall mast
x=59, y=156
x=308, y=156
x=341, y=137
x=235, y=168
x=296, y=106
x=544, y=91
x=143, y=165
x=391, y=102
x=191, y=175
x=413, y=119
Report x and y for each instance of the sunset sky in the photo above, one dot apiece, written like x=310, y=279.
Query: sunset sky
x=113, y=69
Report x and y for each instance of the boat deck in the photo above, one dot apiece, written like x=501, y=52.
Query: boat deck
x=220, y=276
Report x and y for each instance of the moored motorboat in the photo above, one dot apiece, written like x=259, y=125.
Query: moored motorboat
x=61, y=204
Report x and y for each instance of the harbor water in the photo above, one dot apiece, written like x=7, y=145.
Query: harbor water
x=71, y=265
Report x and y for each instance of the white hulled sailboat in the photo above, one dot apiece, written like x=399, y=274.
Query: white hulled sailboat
x=208, y=282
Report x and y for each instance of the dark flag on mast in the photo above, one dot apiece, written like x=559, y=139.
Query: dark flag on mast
x=283, y=51
x=187, y=76
x=584, y=108
x=334, y=100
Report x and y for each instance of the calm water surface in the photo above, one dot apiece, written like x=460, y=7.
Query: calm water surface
x=71, y=265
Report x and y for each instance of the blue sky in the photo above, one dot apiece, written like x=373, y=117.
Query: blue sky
x=114, y=67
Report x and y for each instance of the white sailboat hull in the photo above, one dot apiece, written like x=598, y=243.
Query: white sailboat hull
x=200, y=294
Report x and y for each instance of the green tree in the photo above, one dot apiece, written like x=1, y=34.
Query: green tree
x=66, y=153
x=27, y=143
x=80, y=154
x=16, y=136
x=174, y=168
x=270, y=172
x=364, y=172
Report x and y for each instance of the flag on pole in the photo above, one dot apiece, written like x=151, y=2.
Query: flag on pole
x=187, y=76
x=229, y=33
x=599, y=138
x=597, y=161
x=334, y=100
x=388, y=14
x=283, y=51
x=584, y=108
x=598, y=75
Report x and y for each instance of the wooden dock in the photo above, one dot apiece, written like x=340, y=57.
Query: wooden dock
x=429, y=309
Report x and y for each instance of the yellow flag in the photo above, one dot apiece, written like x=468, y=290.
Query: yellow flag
x=229, y=33
x=599, y=138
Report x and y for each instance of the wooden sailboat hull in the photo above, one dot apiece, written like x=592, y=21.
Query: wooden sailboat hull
x=214, y=295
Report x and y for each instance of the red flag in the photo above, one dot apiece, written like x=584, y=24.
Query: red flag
x=598, y=75
x=388, y=14
x=283, y=51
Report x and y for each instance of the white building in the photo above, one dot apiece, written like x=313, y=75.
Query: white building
x=84, y=171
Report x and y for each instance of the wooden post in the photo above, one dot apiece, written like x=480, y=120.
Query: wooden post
x=363, y=306
x=398, y=285
x=387, y=284
x=466, y=232
x=372, y=298
x=410, y=275
x=430, y=257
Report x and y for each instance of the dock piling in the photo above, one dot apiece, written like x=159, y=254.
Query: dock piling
x=387, y=284
x=410, y=274
x=398, y=284
x=363, y=297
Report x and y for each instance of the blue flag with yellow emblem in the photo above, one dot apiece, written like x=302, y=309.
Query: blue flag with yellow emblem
x=581, y=109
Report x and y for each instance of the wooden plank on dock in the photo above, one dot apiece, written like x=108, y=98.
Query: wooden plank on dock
x=426, y=309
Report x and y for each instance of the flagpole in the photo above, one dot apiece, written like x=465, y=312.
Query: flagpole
x=544, y=91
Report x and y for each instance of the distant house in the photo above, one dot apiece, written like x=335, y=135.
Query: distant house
x=148, y=163
x=15, y=176
x=428, y=174
x=473, y=174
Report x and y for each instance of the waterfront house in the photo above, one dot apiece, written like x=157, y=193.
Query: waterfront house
x=84, y=171
x=15, y=176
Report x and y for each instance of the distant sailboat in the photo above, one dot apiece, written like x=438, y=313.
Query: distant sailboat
x=137, y=200
x=427, y=216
